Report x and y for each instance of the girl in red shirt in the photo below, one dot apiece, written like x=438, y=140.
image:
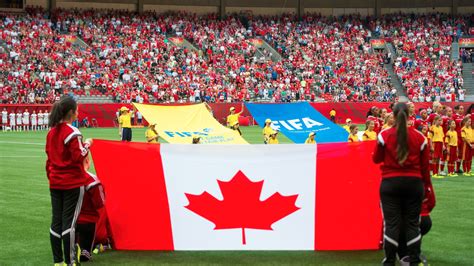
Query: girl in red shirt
x=404, y=155
x=64, y=167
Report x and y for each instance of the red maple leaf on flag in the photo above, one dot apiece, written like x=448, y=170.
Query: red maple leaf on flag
x=241, y=206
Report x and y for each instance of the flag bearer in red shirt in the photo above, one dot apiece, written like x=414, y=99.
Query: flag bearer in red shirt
x=94, y=200
x=64, y=167
x=404, y=154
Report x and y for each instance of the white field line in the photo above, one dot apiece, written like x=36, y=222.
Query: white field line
x=22, y=143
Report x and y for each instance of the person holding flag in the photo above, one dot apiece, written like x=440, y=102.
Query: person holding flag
x=273, y=138
x=125, y=124
x=233, y=119
x=310, y=139
x=267, y=130
x=151, y=135
x=348, y=124
x=353, y=135
x=196, y=139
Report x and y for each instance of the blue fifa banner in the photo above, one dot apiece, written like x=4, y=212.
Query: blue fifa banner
x=297, y=120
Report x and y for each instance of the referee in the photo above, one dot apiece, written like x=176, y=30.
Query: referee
x=404, y=155
x=125, y=124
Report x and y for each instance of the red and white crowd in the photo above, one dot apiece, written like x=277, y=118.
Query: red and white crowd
x=423, y=61
x=130, y=57
x=23, y=120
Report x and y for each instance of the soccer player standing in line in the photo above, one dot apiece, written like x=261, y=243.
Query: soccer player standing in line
x=405, y=172
x=26, y=120
x=34, y=121
x=12, y=121
x=64, y=167
x=19, y=124
x=40, y=120
x=4, y=119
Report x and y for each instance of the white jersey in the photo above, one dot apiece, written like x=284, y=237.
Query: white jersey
x=4, y=117
x=45, y=118
x=12, y=119
x=34, y=120
x=40, y=119
x=18, y=118
x=26, y=118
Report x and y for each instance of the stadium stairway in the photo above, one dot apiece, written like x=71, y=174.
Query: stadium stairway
x=274, y=55
x=468, y=78
x=188, y=45
x=394, y=79
x=455, y=51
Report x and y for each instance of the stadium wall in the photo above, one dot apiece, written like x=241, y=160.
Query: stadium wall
x=42, y=3
x=270, y=7
x=105, y=113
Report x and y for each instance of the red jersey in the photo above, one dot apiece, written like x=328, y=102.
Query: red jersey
x=93, y=201
x=417, y=162
x=445, y=124
x=429, y=201
x=419, y=123
x=431, y=118
x=66, y=153
x=412, y=120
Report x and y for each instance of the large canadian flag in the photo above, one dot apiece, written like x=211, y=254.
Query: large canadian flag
x=240, y=197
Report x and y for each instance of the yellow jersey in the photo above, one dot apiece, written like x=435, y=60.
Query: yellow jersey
x=346, y=127
x=332, y=113
x=385, y=126
x=452, y=138
x=466, y=133
x=151, y=134
x=310, y=141
x=353, y=138
x=273, y=141
x=232, y=119
x=436, y=134
x=267, y=131
x=369, y=135
x=125, y=120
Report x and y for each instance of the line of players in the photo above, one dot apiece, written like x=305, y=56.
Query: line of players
x=449, y=133
x=24, y=121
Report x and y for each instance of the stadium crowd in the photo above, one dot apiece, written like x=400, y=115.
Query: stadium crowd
x=423, y=51
x=130, y=57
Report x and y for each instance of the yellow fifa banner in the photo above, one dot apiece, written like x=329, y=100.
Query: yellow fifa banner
x=177, y=124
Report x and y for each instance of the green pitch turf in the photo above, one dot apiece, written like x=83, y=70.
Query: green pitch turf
x=25, y=217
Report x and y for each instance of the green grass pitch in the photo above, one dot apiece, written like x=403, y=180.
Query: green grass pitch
x=25, y=217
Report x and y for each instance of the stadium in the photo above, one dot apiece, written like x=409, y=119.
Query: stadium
x=369, y=103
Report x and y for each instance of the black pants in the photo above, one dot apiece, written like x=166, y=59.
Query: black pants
x=126, y=134
x=85, y=234
x=401, y=206
x=66, y=206
x=425, y=226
